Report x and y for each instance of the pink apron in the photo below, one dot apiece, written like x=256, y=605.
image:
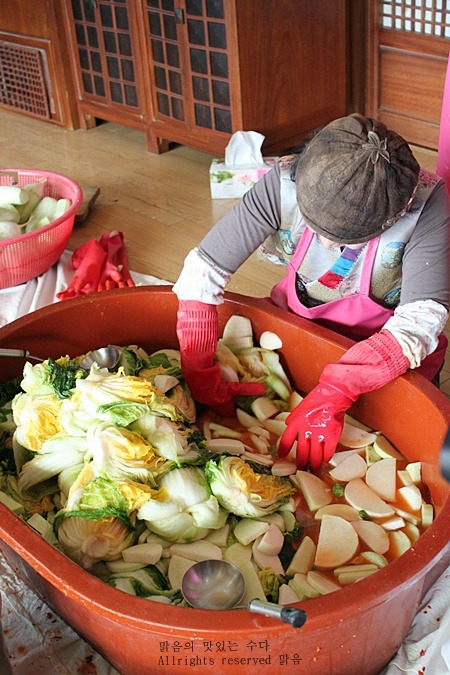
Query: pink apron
x=356, y=316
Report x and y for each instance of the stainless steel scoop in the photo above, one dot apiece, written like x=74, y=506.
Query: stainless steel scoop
x=105, y=357
x=216, y=584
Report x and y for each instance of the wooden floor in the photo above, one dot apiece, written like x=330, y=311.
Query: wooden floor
x=161, y=203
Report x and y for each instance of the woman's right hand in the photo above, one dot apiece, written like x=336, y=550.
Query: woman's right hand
x=197, y=331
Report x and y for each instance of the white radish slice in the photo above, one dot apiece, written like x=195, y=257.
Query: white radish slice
x=237, y=326
x=271, y=542
x=270, y=340
x=238, y=554
x=321, y=583
x=262, y=560
x=399, y=543
x=315, y=491
x=260, y=444
x=260, y=431
x=256, y=457
x=294, y=399
x=276, y=427
x=353, y=437
x=197, y=550
x=385, y=449
x=245, y=419
x=344, y=511
x=407, y=516
x=281, y=468
x=394, y=523
x=414, y=470
x=247, y=530
x=375, y=558
x=231, y=445
x=282, y=416
x=263, y=408
x=404, y=477
x=303, y=559
x=340, y=455
x=142, y=553
x=381, y=477
x=372, y=534
x=427, y=514
x=220, y=431
x=165, y=382
x=410, y=498
x=286, y=595
x=337, y=544
x=347, y=578
x=351, y=467
x=302, y=587
x=363, y=498
x=412, y=532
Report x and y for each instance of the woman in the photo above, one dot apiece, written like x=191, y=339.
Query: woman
x=365, y=237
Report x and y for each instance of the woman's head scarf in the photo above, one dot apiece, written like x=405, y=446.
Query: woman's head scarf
x=354, y=179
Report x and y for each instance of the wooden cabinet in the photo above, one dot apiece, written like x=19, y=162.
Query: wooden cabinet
x=196, y=71
x=107, y=59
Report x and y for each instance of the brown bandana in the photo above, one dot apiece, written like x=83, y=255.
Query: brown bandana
x=354, y=177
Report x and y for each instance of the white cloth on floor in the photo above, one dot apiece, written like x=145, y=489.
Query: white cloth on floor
x=20, y=300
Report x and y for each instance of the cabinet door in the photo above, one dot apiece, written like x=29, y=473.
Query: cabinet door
x=106, y=52
x=190, y=43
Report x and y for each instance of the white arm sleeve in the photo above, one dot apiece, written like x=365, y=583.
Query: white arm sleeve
x=416, y=326
x=201, y=280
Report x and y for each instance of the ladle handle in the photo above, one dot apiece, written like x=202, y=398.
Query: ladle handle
x=15, y=353
x=296, y=617
x=19, y=354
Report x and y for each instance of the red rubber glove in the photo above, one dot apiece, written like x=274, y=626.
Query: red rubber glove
x=88, y=260
x=197, y=331
x=316, y=423
x=116, y=272
x=100, y=266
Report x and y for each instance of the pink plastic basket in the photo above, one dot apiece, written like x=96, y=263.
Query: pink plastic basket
x=27, y=256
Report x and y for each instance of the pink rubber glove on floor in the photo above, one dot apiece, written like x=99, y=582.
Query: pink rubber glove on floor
x=316, y=423
x=197, y=331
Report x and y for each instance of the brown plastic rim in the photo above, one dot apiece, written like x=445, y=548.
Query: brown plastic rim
x=356, y=630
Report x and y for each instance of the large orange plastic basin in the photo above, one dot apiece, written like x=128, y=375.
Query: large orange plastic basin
x=355, y=630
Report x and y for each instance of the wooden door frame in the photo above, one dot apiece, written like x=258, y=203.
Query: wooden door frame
x=409, y=70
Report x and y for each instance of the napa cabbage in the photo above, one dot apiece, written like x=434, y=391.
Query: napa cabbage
x=121, y=454
x=243, y=491
x=188, y=511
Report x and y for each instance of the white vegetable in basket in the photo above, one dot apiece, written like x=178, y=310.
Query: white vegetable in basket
x=8, y=230
x=35, y=193
x=45, y=209
x=9, y=213
x=10, y=194
x=62, y=206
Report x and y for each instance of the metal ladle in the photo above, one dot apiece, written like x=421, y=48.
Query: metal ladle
x=105, y=357
x=217, y=584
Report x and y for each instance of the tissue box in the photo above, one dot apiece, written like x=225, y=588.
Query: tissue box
x=232, y=182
